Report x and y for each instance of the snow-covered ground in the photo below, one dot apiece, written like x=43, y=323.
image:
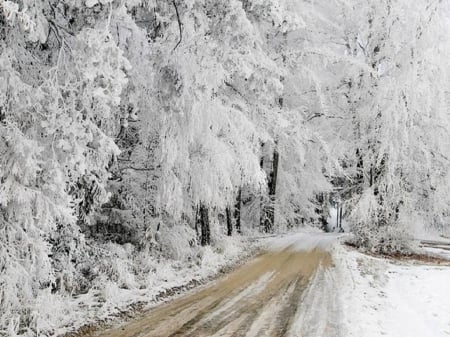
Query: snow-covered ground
x=106, y=302
x=365, y=296
x=357, y=295
x=437, y=245
x=385, y=298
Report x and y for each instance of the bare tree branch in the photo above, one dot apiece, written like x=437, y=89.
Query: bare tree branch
x=179, y=25
x=137, y=168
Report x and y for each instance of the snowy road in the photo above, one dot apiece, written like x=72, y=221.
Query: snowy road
x=262, y=298
x=308, y=285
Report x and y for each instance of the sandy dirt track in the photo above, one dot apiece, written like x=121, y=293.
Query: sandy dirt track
x=261, y=298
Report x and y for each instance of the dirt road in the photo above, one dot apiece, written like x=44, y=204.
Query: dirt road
x=259, y=299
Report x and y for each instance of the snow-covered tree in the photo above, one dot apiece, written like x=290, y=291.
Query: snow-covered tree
x=133, y=130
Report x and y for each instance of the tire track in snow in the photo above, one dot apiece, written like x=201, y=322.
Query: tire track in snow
x=318, y=314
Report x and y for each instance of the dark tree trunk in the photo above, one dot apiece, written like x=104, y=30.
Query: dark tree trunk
x=274, y=174
x=237, y=211
x=197, y=220
x=359, y=167
x=338, y=215
x=262, y=214
x=229, y=222
x=205, y=234
x=270, y=216
x=321, y=210
x=267, y=219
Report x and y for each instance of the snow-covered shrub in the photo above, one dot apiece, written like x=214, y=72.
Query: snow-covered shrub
x=177, y=242
x=384, y=239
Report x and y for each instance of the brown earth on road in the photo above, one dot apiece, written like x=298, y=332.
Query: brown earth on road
x=258, y=299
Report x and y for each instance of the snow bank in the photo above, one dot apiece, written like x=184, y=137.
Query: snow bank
x=108, y=299
x=383, y=298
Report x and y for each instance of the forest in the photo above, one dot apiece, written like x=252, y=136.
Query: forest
x=135, y=133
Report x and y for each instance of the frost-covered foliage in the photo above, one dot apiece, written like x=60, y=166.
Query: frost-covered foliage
x=402, y=120
x=383, y=88
x=118, y=120
x=132, y=132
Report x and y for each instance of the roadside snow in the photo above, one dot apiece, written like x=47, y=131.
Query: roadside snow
x=109, y=300
x=359, y=296
x=382, y=298
x=444, y=253
x=365, y=296
x=437, y=245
